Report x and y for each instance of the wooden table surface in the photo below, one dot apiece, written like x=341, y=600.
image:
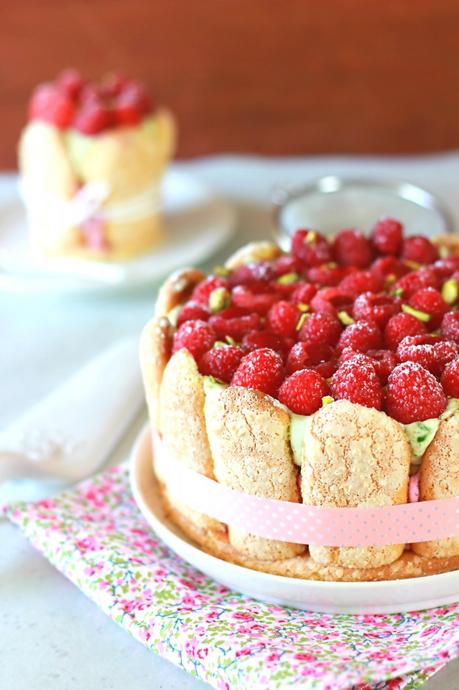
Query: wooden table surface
x=296, y=76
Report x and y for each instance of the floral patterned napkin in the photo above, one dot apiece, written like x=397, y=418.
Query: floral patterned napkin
x=96, y=536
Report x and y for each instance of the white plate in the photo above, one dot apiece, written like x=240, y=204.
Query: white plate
x=392, y=596
x=197, y=223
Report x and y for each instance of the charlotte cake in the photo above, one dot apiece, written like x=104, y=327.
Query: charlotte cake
x=91, y=158
x=328, y=375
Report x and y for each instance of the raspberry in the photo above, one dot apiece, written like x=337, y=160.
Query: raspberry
x=326, y=274
x=416, y=280
x=361, y=281
x=50, y=104
x=321, y=328
x=377, y=308
x=260, y=339
x=307, y=355
x=132, y=104
x=260, y=369
x=444, y=268
x=221, y=362
x=254, y=272
x=387, y=236
x=356, y=380
x=303, y=293
x=431, y=302
x=235, y=327
x=311, y=248
x=70, y=82
x=450, y=326
x=331, y=300
x=286, y=264
x=413, y=394
x=196, y=336
x=383, y=361
x=399, y=326
x=450, y=379
x=419, y=249
x=388, y=266
x=302, y=392
x=255, y=298
x=192, y=311
x=361, y=336
x=202, y=291
x=282, y=318
x=114, y=84
x=92, y=118
x=352, y=248
x=420, y=349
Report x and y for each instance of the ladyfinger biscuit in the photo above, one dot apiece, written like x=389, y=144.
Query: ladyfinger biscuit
x=154, y=352
x=354, y=456
x=439, y=478
x=249, y=439
x=177, y=288
x=254, y=251
x=182, y=426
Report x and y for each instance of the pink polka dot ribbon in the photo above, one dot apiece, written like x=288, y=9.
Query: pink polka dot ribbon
x=306, y=524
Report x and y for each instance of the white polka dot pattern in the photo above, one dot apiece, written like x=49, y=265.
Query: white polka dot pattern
x=303, y=524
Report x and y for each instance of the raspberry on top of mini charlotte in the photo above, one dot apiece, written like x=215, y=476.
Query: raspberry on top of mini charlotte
x=373, y=320
x=71, y=101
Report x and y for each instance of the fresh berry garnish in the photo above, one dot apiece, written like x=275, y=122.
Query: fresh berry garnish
x=70, y=82
x=450, y=326
x=327, y=274
x=196, y=336
x=428, y=350
x=360, y=281
x=307, y=355
x=254, y=298
x=413, y=394
x=387, y=236
x=383, y=361
x=261, y=369
x=356, y=380
x=377, y=308
x=254, y=272
x=414, y=281
x=302, y=392
x=419, y=249
x=361, y=336
x=321, y=328
x=444, y=268
x=192, y=311
x=202, y=292
x=450, y=379
x=286, y=264
x=352, y=248
x=221, y=362
x=429, y=301
x=261, y=339
x=235, y=327
x=114, y=84
x=303, y=293
x=331, y=300
x=400, y=326
x=311, y=248
x=52, y=105
x=388, y=267
x=283, y=318
x=92, y=118
x=132, y=104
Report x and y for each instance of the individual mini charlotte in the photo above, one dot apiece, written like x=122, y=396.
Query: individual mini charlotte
x=91, y=158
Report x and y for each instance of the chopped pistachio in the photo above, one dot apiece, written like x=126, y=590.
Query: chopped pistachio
x=414, y=265
x=311, y=237
x=391, y=278
x=221, y=271
x=450, y=291
x=332, y=264
x=398, y=292
x=219, y=299
x=345, y=319
x=219, y=343
x=301, y=321
x=326, y=400
x=288, y=278
x=230, y=340
x=303, y=307
x=421, y=315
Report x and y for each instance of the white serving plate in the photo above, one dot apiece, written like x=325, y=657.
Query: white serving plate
x=392, y=596
x=197, y=223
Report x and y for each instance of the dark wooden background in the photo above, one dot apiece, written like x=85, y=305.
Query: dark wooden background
x=262, y=76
